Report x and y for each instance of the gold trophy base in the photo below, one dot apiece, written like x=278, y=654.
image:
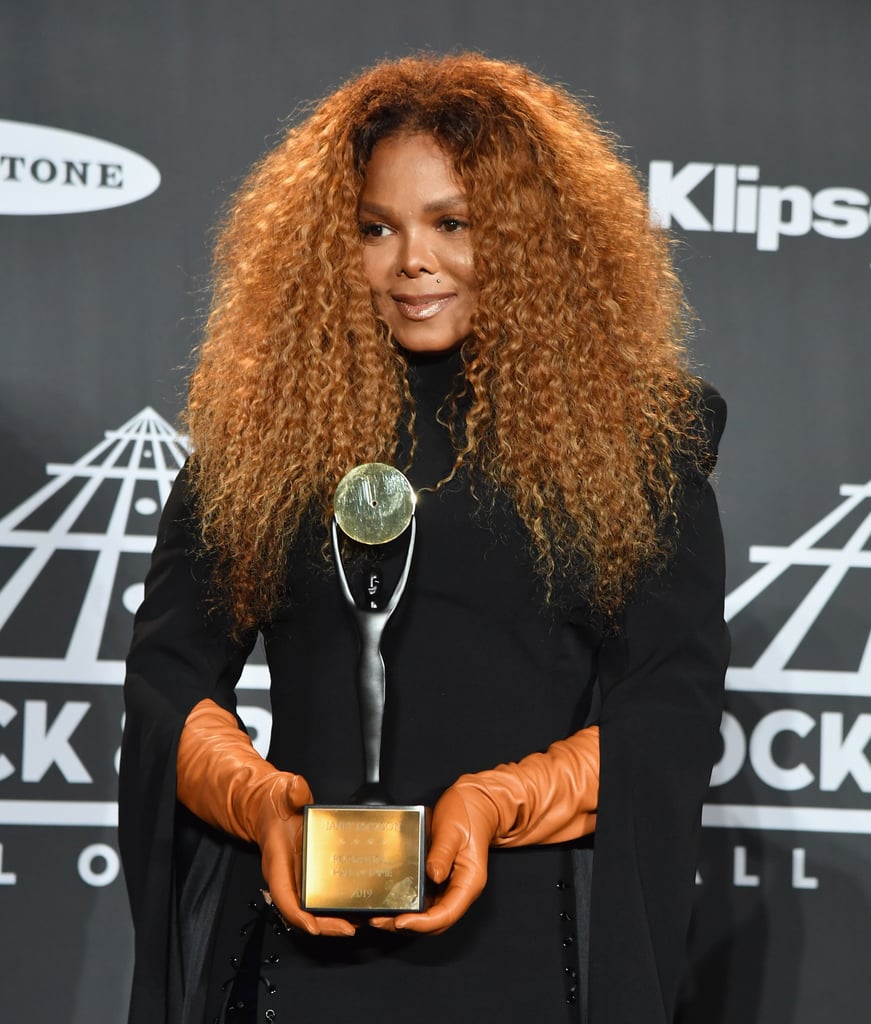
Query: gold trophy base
x=363, y=859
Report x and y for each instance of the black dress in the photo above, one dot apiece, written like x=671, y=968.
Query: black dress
x=481, y=670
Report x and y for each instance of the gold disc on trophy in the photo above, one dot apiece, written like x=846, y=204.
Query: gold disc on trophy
x=373, y=503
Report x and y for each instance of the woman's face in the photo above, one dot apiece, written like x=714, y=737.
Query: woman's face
x=417, y=246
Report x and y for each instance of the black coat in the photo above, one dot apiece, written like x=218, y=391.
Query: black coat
x=655, y=682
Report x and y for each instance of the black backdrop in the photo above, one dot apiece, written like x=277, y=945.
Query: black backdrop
x=750, y=121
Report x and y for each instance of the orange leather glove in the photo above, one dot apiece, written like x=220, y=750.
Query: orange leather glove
x=545, y=798
x=224, y=781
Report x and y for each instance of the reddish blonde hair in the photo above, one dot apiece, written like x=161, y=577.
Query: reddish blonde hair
x=579, y=396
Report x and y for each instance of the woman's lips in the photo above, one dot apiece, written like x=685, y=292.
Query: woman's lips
x=422, y=307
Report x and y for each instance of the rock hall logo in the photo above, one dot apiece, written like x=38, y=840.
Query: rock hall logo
x=50, y=171
x=800, y=672
x=73, y=557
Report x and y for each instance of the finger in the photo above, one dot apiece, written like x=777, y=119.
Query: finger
x=439, y=864
x=445, y=846
x=335, y=927
x=432, y=922
x=385, y=924
x=300, y=793
x=447, y=909
x=294, y=916
x=288, y=903
x=284, y=900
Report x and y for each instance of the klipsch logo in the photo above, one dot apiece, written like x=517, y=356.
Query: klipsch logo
x=729, y=198
x=49, y=170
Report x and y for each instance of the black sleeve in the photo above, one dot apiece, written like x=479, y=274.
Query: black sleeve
x=180, y=654
x=662, y=683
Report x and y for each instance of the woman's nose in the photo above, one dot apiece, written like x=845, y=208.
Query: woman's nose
x=415, y=257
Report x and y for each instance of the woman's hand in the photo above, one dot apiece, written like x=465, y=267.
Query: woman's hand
x=226, y=783
x=546, y=797
x=464, y=824
x=278, y=830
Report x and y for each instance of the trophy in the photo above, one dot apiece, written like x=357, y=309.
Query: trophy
x=368, y=855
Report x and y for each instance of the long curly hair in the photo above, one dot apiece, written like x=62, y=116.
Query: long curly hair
x=579, y=402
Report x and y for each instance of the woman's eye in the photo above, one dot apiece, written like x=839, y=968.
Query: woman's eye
x=374, y=230
x=453, y=224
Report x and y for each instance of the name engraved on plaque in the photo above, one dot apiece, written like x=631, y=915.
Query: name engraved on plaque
x=375, y=855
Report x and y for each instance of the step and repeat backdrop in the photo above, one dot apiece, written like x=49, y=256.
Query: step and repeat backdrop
x=122, y=132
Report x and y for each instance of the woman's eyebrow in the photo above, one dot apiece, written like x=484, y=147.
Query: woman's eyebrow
x=434, y=206
x=447, y=203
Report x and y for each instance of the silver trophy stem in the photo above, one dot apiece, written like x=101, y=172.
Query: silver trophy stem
x=371, y=679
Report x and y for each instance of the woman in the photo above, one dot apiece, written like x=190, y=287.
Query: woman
x=445, y=268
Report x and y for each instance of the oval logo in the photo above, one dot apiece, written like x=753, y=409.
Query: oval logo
x=50, y=170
